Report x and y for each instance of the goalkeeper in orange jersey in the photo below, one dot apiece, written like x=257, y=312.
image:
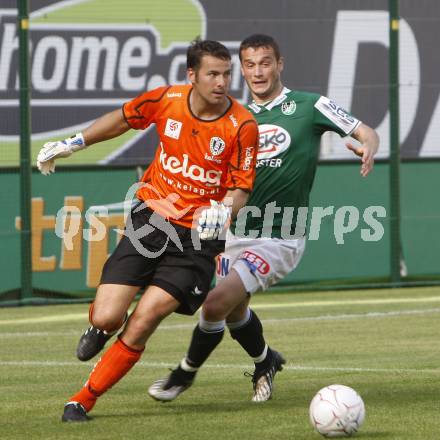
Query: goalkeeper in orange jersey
x=206, y=154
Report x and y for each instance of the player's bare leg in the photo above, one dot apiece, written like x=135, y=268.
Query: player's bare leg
x=107, y=315
x=227, y=303
x=225, y=298
x=154, y=305
x=230, y=300
x=206, y=336
x=117, y=361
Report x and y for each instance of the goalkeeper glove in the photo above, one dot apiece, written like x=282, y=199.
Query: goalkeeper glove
x=213, y=220
x=54, y=150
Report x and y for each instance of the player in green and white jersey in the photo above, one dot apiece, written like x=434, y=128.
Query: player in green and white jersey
x=267, y=241
x=290, y=126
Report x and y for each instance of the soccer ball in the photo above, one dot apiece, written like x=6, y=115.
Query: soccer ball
x=337, y=411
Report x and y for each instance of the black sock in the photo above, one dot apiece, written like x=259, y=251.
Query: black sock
x=202, y=345
x=250, y=337
x=179, y=377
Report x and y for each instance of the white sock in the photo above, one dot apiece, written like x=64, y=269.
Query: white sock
x=186, y=367
x=262, y=356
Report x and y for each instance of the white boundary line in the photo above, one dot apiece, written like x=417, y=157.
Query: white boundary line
x=280, y=305
x=351, y=302
x=345, y=316
x=289, y=367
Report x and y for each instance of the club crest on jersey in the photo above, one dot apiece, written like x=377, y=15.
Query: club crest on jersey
x=172, y=128
x=288, y=108
x=217, y=145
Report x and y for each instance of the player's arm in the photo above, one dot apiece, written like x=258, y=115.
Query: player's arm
x=369, y=140
x=235, y=199
x=106, y=127
x=138, y=113
x=328, y=115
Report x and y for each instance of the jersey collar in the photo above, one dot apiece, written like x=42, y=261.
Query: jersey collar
x=276, y=101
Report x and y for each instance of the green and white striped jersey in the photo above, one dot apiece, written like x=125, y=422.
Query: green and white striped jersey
x=290, y=129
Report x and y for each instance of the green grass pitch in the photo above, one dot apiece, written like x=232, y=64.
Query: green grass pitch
x=383, y=343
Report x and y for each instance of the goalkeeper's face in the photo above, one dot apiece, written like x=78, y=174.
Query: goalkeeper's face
x=211, y=80
x=262, y=71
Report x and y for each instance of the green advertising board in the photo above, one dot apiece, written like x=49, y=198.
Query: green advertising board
x=338, y=251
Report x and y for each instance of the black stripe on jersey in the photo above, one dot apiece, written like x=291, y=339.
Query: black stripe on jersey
x=207, y=120
x=125, y=119
x=140, y=116
x=240, y=147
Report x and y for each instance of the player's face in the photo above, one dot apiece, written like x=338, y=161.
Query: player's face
x=262, y=71
x=212, y=80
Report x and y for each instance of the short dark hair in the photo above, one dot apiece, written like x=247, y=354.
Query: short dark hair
x=199, y=48
x=260, y=40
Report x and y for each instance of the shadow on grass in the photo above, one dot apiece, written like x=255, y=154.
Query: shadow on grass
x=168, y=409
x=375, y=434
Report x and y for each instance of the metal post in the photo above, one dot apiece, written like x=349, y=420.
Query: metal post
x=394, y=164
x=25, y=151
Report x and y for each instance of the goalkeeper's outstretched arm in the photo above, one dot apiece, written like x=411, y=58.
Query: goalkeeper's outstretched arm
x=106, y=127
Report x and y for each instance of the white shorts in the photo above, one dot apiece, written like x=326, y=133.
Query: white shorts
x=260, y=262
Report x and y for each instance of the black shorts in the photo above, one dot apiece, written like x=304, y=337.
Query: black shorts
x=155, y=259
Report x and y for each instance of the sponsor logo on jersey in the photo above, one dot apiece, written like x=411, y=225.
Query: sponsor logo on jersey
x=172, y=128
x=233, y=120
x=336, y=114
x=212, y=158
x=174, y=95
x=196, y=291
x=174, y=165
x=217, y=145
x=248, y=154
x=255, y=262
x=223, y=265
x=273, y=141
x=271, y=163
x=288, y=108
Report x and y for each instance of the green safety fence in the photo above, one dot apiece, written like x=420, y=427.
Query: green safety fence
x=89, y=57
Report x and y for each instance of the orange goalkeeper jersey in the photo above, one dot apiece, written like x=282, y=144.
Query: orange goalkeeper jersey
x=196, y=160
